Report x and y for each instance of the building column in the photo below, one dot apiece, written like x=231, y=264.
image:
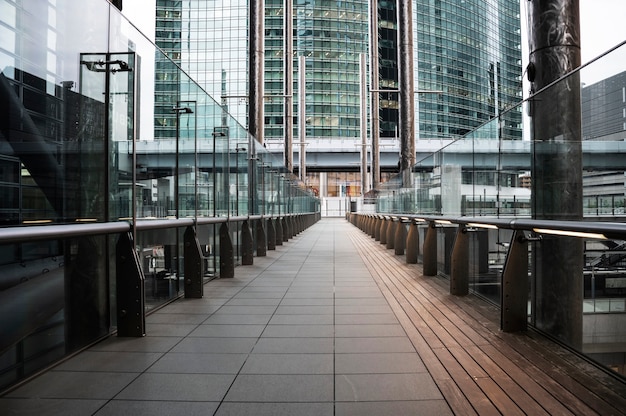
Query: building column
x=407, y=88
x=256, y=77
x=556, y=165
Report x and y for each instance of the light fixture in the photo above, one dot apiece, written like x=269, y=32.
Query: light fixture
x=579, y=234
x=443, y=222
x=480, y=225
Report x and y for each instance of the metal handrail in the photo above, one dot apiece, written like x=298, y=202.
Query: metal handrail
x=10, y=235
x=610, y=230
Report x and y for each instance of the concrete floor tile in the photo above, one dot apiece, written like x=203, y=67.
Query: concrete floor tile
x=289, y=364
x=110, y=361
x=237, y=319
x=281, y=388
x=199, y=363
x=295, y=331
x=386, y=318
x=378, y=363
x=373, y=345
x=216, y=345
x=413, y=408
x=276, y=409
x=385, y=387
x=50, y=407
x=366, y=330
x=183, y=387
x=304, y=310
x=157, y=408
x=148, y=343
x=294, y=346
x=302, y=320
x=228, y=331
x=74, y=385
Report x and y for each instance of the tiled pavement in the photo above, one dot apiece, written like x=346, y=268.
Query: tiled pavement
x=304, y=331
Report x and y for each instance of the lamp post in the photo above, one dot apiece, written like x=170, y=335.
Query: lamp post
x=217, y=132
x=237, y=150
x=178, y=110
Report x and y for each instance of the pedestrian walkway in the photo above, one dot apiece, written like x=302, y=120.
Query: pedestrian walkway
x=331, y=323
x=304, y=331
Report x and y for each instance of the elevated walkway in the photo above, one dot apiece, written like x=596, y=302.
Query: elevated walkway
x=331, y=323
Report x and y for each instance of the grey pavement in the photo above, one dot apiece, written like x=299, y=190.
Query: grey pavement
x=304, y=331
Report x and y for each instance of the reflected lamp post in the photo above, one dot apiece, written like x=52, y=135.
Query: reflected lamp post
x=178, y=110
x=237, y=150
x=217, y=132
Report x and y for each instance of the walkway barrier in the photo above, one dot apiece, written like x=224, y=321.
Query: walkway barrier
x=105, y=277
x=477, y=258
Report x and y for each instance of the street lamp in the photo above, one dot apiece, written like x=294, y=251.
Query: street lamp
x=237, y=150
x=217, y=132
x=178, y=110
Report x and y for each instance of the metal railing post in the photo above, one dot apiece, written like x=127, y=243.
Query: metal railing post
x=247, y=248
x=193, y=261
x=227, y=259
x=412, y=244
x=130, y=282
x=430, y=251
x=261, y=240
x=514, y=310
x=459, y=267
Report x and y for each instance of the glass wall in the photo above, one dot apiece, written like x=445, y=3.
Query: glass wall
x=85, y=139
x=578, y=281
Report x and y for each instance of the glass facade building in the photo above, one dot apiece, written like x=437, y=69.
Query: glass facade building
x=469, y=51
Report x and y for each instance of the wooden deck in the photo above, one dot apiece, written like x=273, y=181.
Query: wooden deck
x=478, y=368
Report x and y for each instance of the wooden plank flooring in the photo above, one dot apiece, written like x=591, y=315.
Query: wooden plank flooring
x=478, y=368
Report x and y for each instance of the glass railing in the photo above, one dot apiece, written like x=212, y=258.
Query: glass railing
x=99, y=126
x=490, y=178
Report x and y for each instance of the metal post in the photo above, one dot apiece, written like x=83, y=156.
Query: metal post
x=459, y=268
x=271, y=235
x=514, y=310
x=407, y=102
x=227, y=259
x=557, y=165
x=193, y=261
x=399, y=244
x=412, y=244
x=256, y=77
x=430, y=251
x=391, y=234
x=131, y=321
x=247, y=249
x=288, y=110
x=261, y=240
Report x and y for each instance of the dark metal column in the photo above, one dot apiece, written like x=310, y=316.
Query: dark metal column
x=247, y=247
x=227, y=257
x=557, y=165
x=459, y=268
x=256, y=73
x=130, y=282
x=407, y=87
x=429, y=255
x=193, y=261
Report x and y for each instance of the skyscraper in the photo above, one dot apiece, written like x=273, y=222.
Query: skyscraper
x=468, y=51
